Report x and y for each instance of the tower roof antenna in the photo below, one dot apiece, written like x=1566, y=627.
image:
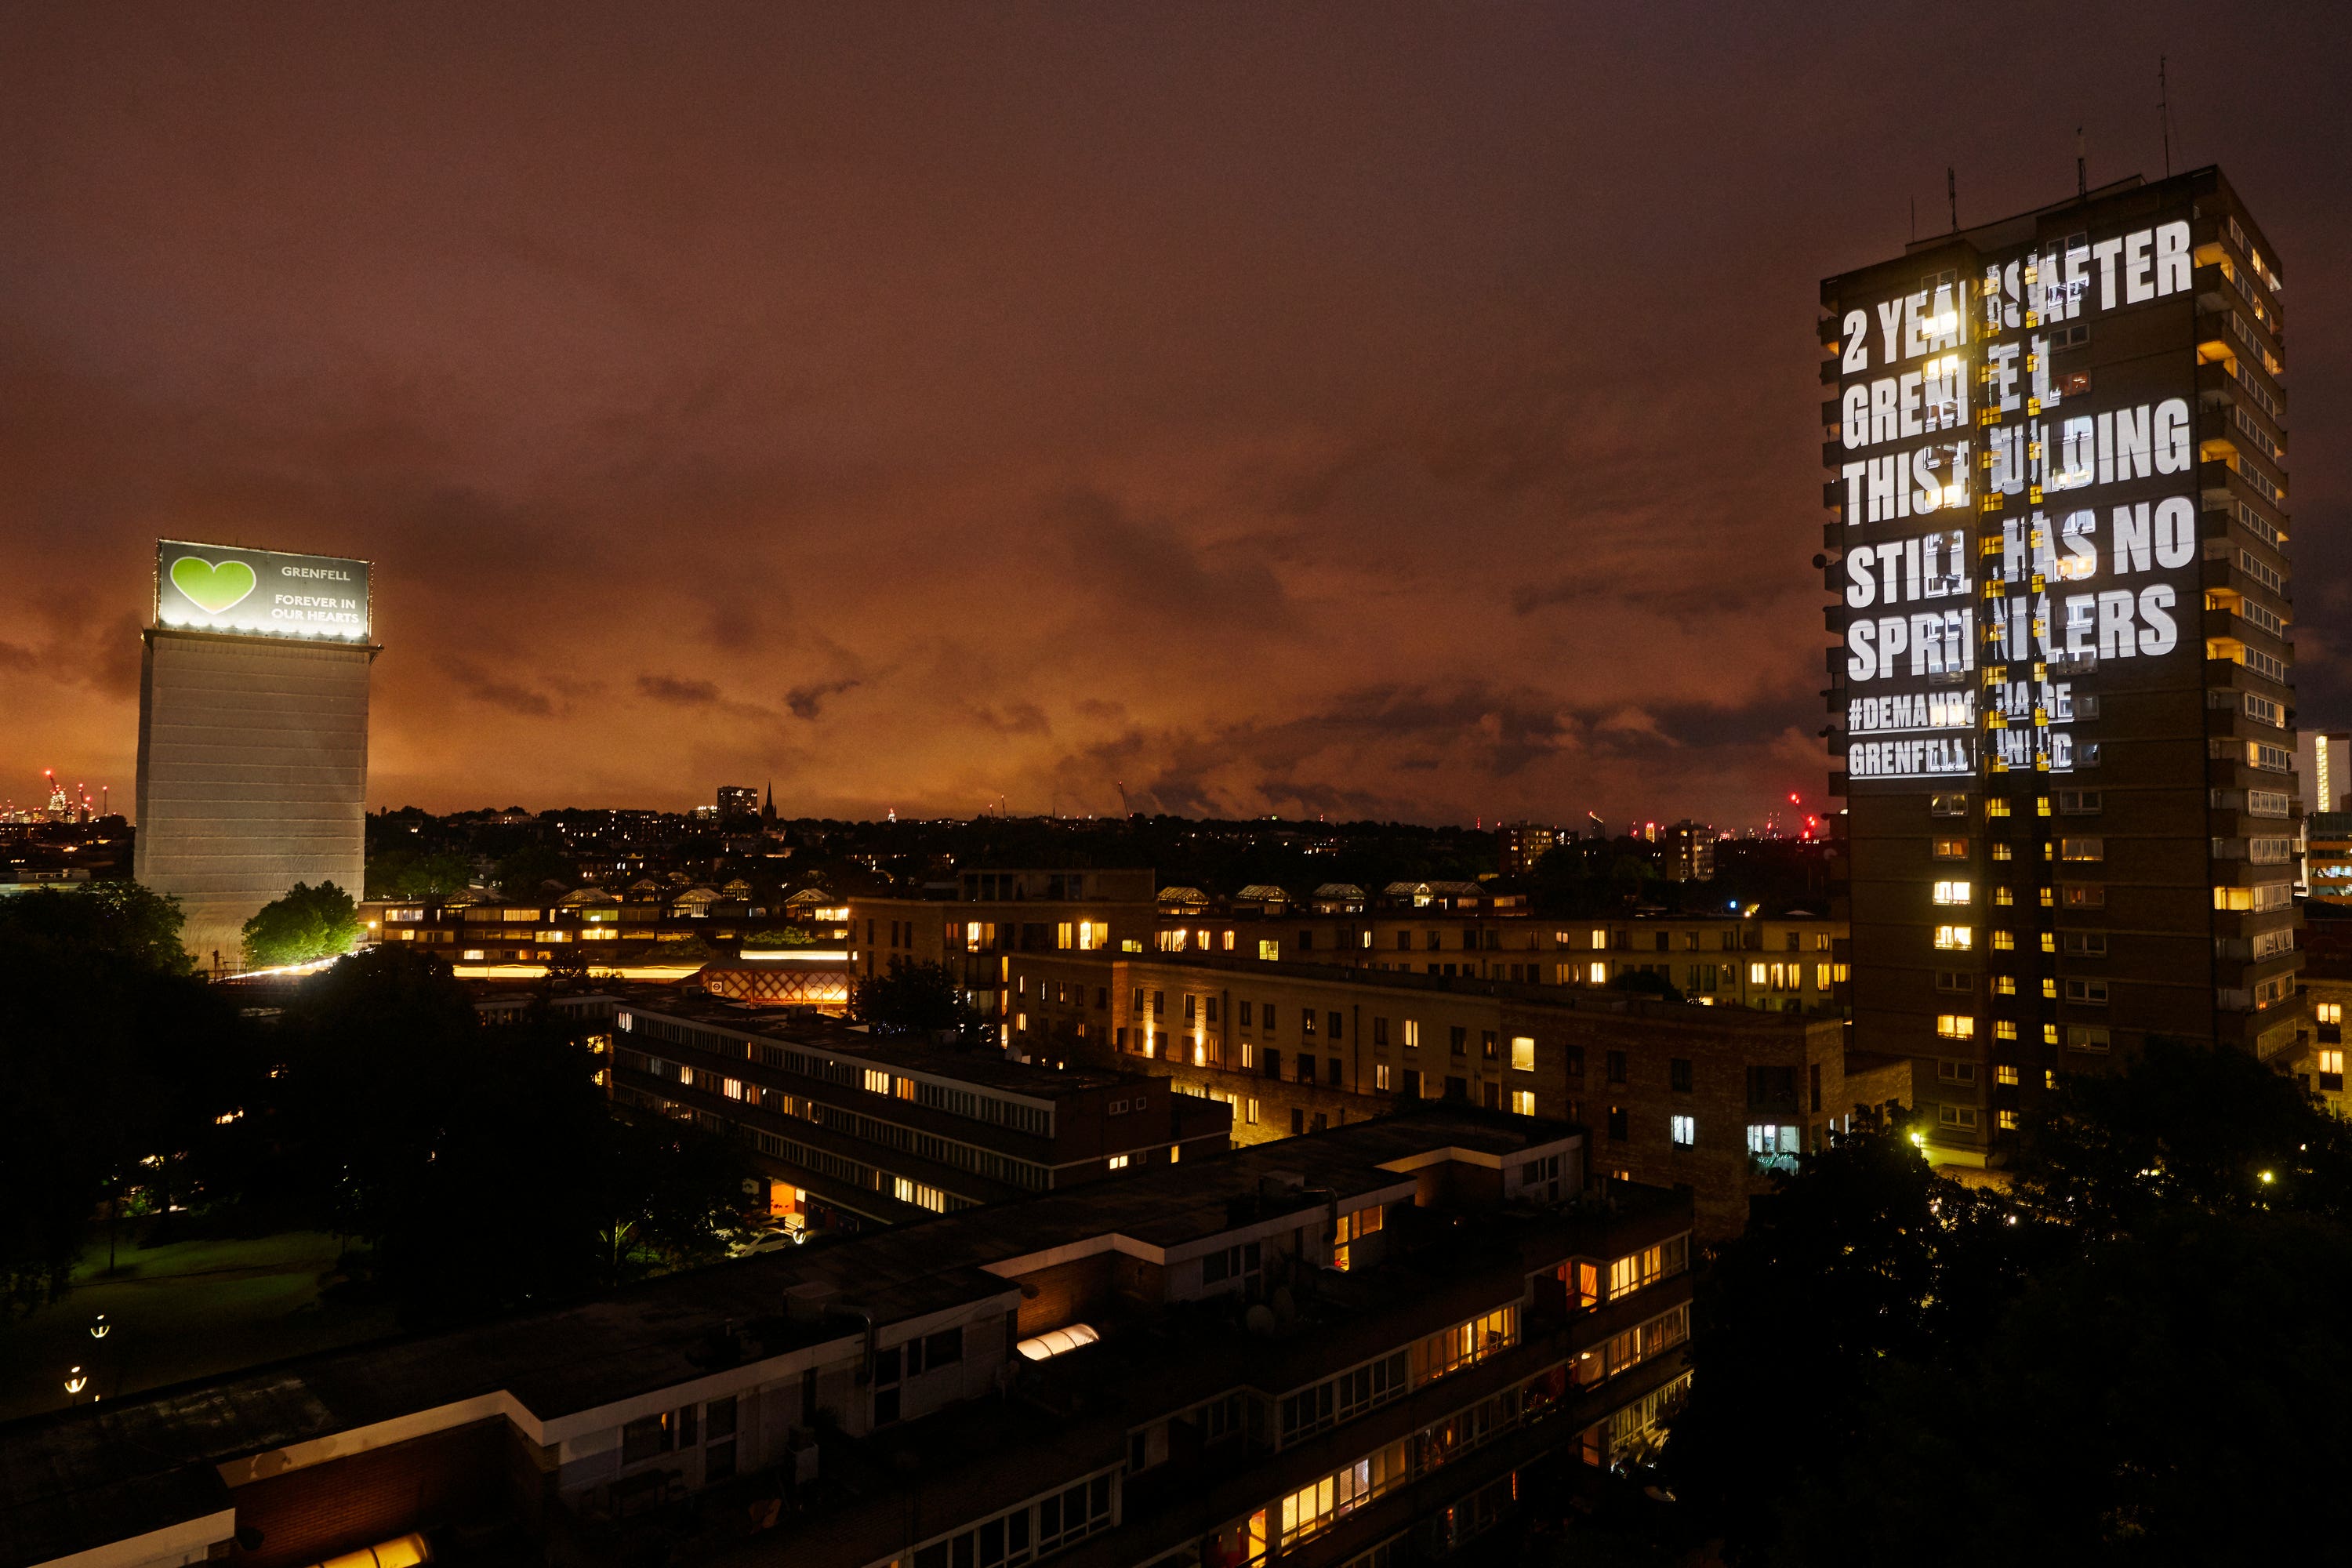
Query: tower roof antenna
x=2164, y=114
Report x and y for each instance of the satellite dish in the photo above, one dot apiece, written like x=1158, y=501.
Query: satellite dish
x=1258, y=1320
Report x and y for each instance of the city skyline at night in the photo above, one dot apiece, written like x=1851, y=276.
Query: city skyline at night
x=1266, y=420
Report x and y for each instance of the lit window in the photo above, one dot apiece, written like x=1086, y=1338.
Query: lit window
x=1381, y=1076
x=1685, y=1130
x=1996, y=807
x=1269, y=950
x=1956, y=1025
x=1951, y=850
x=2004, y=1029
x=2332, y=1062
x=2005, y=1073
x=1523, y=1053
x=2005, y=941
x=1958, y=939
x=1757, y=974
x=1523, y=1102
x=2328, y=1012
x=1952, y=892
x=2008, y=1120
x=1411, y=1033
x=1118, y=1162
x=1598, y=974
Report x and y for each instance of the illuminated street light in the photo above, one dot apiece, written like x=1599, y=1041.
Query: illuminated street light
x=76, y=1381
x=102, y=1327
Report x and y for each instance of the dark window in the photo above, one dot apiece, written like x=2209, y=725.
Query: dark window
x=1617, y=1124
x=1334, y=1030
x=943, y=1347
x=1680, y=1071
x=1306, y=1067
x=687, y=1420
x=1457, y=1088
x=1269, y=1018
x=642, y=1439
x=1333, y=1074
x=1319, y=1123
x=1405, y=941
x=1159, y=1004
x=1245, y=1015
x=720, y=1418
x=1307, y=941
x=886, y=1406
x=1813, y=1075
x=1379, y=1031
x=1273, y=1060
x=1486, y=1044
x=1662, y=940
x=1297, y=1123
x=1616, y=1066
x=1459, y=1038
x=1573, y=1060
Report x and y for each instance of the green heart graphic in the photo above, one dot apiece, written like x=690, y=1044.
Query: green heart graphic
x=212, y=589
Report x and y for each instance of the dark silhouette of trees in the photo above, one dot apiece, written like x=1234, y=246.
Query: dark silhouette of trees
x=2136, y=1353
x=115, y=1067
x=481, y=1161
x=917, y=998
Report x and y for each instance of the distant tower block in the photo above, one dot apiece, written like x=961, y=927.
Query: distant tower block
x=253, y=734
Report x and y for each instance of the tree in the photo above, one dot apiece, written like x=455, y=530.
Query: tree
x=482, y=1163
x=112, y=1055
x=916, y=998
x=2142, y=1353
x=520, y=874
x=401, y=872
x=307, y=923
x=1646, y=983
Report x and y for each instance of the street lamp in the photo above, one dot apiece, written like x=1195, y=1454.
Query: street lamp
x=76, y=1381
x=102, y=1327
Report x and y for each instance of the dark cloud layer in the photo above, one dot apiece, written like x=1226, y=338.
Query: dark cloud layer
x=1393, y=410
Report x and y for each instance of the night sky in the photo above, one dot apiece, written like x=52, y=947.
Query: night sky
x=1399, y=413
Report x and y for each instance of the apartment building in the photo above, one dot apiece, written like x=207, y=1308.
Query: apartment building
x=1711, y=1098
x=1356, y=1348
x=855, y=1131
x=2055, y=452
x=1790, y=963
x=983, y=917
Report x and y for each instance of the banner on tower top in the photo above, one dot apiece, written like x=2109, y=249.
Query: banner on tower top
x=260, y=593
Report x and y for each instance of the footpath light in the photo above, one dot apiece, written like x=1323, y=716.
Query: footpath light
x=102, y=1327
x=76, y=1381
x=2268, y=1178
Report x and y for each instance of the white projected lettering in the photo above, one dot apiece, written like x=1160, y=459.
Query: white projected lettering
x=1987, y=578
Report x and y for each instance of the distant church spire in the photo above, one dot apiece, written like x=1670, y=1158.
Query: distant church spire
x=768, y=812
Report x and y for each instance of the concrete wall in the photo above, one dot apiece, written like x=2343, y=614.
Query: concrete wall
x=252, y=775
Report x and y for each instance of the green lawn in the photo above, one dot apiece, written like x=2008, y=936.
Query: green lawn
x=181, y=1310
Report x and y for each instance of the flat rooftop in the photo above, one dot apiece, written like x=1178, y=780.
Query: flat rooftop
x=79, y=1478
x=983, y=1068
